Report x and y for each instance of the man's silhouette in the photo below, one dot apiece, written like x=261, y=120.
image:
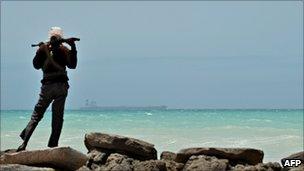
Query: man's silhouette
x=52, y=58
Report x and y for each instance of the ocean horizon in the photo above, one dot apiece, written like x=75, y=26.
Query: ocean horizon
x=278, y=132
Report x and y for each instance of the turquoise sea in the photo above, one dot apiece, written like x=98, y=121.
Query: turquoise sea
x=277, y=132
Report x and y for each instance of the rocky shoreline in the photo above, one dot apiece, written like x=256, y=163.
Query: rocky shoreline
x=108, y=152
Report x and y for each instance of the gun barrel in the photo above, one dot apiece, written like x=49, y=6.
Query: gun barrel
x=61, y=41
x=73, y=38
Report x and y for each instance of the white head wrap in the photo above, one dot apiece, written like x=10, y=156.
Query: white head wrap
x=56, y=31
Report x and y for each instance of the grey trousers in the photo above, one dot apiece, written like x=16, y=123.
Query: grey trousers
x=56, y=93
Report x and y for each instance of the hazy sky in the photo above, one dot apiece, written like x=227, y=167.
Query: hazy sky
x=179, y=54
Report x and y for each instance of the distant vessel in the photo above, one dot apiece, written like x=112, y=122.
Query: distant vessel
x=93, y=106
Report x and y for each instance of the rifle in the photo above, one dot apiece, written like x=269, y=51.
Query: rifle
x=57, y=41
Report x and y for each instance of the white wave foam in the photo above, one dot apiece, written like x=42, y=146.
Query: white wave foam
x=256, y=141
x=275, y=138
x=234, y=127
x=148, y=113
x=171, y=142
x=260, y=120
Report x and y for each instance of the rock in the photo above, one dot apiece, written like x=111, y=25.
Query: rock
x=150, y=165
x=173, y=166
x=275, y=166
x=134, y=148
x=18, y=167
x=58, y=157
x=240, y=167
x=259, y=167
x=206, y=163
x=234, y=155
x=167, y=155
x=296, y=156
x=96, y=157
x=84, y=168
x=117, y=162
x=299, y=168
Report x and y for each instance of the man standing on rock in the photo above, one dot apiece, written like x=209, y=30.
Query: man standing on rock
x=53, y=58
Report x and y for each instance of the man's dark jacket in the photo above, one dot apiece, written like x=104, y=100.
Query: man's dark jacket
x=61, y=56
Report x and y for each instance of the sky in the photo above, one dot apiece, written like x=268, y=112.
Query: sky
x=197, y=54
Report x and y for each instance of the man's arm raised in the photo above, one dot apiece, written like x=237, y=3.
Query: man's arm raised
x=40, y=56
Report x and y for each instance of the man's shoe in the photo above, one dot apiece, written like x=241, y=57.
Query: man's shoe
x=21, y=147
x=52, y=146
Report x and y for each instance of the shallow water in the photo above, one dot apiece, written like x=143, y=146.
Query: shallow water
x=277, y=132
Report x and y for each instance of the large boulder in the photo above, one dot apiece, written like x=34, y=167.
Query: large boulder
x=131, y=147
x=18, y=167
x=58, y=157
x=234, y=155
x=205, y=163
x=150, y=165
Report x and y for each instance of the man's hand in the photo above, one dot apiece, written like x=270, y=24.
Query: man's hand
x=70, y=42
x=40, y=44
